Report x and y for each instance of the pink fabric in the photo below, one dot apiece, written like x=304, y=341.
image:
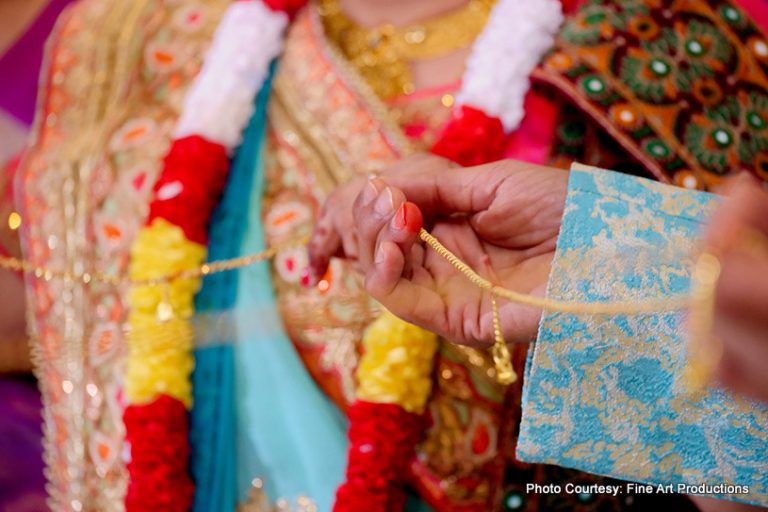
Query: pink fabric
x=533, y=140
x=757, y=10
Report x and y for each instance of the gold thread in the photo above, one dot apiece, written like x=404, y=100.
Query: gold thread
x=505, y=372
x=86, y=277
x=629, y=306
x=672, y=303
x=704, y=350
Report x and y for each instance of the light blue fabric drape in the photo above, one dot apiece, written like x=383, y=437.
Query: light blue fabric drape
x=257, y=412
x=288, y=430
x=212, y=421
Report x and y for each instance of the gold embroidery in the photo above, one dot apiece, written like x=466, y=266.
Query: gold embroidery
x=87, y=182
x=259, y=502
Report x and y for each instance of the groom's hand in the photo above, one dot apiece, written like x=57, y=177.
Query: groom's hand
x=502, y=219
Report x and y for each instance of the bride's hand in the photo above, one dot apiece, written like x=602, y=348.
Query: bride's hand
x=502, y=219
x=334, y=232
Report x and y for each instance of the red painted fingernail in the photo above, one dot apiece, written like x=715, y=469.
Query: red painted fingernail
x=400, y=220
x=305, y=278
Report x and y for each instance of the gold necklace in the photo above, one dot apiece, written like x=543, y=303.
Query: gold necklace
x=382, y=54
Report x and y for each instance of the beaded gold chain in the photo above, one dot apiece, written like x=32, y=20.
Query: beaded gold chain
x=213, y=267
x=704, y=349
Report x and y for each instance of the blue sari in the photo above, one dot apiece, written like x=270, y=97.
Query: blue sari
x=257, y=413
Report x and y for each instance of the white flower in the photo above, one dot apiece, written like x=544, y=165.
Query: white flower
x=516, y=37
x=219, y=103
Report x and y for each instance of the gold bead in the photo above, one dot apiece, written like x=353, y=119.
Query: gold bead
x=14, y=221
x=416, y=35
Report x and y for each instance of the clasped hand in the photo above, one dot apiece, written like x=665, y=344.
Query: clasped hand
x=503, y=220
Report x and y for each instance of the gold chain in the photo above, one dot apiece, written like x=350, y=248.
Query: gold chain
x=672, y=303
x=705, y=351
x=703, y=348
x=502, y=360
x=213, y=267
x=382, y=54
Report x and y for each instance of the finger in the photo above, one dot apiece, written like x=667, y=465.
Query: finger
x=445, y=191
x=742, y=289
x=323, y=243
x=403, y=229
x=330, y=239
x=348, y=243
x=448, y=191
x=746, y=206
x=414, y=303
x=371, y=216
x=520, y=324
x=745, y=356
x=741, y=322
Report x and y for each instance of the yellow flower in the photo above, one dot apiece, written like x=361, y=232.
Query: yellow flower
x=161, y=249
x=396, y=366
x=160, y=352
x=159, y=361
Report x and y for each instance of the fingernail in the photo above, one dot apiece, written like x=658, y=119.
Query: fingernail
x=385, y=203
x=305, y=278
x=400, y=220
x=379, y=257
x=369, y=192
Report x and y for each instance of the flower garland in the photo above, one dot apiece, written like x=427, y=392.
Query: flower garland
x=395, y=370
x=385, y=421
x=489, y=105
x=217, y=108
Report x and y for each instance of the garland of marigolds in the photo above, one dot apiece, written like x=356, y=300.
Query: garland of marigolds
x=158, y=389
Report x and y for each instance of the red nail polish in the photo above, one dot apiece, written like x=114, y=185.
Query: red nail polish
x=305, y=278
x=401, y=217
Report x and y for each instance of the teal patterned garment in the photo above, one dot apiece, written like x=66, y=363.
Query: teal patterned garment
x=605, y=394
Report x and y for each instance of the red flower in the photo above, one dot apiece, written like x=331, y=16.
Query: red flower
x=382, y=438
x=193, y=178
x=290, y=7
x=471, y=138
x=158, y=437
